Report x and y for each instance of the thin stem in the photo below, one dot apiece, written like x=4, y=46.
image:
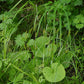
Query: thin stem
x=60, y=26
x=69, y=29
x=5, y=46
x=20, y=9
x=15, y=6
x=30, y=75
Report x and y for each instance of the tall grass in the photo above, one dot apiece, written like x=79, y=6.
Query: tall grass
x=45, y=28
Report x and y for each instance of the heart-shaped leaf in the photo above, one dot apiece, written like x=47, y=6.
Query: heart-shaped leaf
x=46, y=52
x=54, y=74
x=41, y=41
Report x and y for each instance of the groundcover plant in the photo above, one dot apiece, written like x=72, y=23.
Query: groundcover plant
x=41, y=42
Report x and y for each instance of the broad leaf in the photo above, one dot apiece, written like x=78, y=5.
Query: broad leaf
x=46, y=52
x=55, y=73
x=26, y=82
x=18, y=78
x=42, y=41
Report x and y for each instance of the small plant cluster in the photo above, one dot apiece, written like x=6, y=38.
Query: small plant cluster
x=42, y=42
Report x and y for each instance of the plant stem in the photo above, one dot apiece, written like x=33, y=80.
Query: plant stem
x=5, y=49
x=30, y=75
x=15, y=5
x=5, y=46
x=60, y=25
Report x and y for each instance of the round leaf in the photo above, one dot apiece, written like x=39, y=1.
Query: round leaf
x=42, y=41
x=54, y=74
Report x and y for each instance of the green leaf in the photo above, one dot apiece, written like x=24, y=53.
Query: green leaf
x=18, y=78
x=30, y=42
x=46, y=52
x=82, y=39
x=54, y=74
x=9, y=21
x=10, y=1
x=27, y=82
x=12, y=72
x=78, y=21
x=79, y=26
x=22, y=55
x=75, y=21
x=65, y=1
x=21, y=39
x=42, y=41
x=65, y=58
x=3, y=26
x=51, y=49
x=41, y=80
x=39, y=45
x=78, y=2
x=83, y=82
